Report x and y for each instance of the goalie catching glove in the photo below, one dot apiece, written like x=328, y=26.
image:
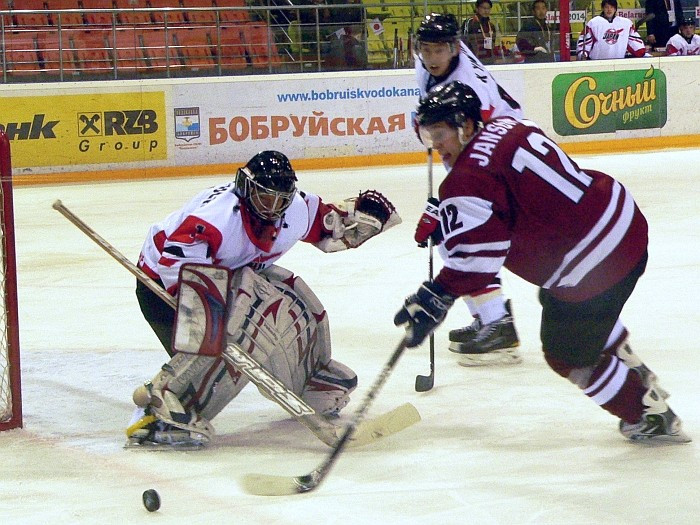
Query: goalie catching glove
x=355, y=220
x=423, y=312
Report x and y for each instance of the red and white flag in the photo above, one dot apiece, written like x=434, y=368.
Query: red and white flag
x=376, y=26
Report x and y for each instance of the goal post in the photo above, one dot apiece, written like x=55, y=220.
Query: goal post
x=10, y=387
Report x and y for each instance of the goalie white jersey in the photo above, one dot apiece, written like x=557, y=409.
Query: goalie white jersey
x=495, y=101
x=606, y=39
x=213, y=228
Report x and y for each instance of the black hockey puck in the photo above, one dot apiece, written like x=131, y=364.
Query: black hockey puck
x=151, y=500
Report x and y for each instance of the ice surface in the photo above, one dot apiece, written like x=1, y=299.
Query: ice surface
x=495, y=446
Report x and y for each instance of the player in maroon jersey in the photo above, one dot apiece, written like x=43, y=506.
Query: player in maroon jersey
x=513, y=198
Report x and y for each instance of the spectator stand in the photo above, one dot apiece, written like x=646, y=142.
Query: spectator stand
x=93, y=39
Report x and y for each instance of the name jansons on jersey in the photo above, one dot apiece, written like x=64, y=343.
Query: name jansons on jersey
x=488, y=139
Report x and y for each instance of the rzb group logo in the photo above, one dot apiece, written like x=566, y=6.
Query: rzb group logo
x=138, y=122
x=93, y=128
x=130, y=122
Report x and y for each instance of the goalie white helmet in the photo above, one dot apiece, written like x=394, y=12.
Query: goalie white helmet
x=267, y=185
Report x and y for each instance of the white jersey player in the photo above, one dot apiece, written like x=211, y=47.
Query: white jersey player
x=440, y=64
x=441, y=58
x=685, y=42
x=608, y=36
x=245, y=226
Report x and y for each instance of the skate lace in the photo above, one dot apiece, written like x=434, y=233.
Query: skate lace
x=474, y=327
x=488, y=330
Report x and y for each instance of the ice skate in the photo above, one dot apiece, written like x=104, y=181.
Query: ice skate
x=491, y=344
x=649, y=378
x=149, y=433
x=658, y=424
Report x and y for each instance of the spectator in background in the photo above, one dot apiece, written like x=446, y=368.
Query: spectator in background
x=609, y=36
x=662, y=17
x=685, y=42
x=308, y=19
x=482, y=35
x=345, y=50
x=537, y=37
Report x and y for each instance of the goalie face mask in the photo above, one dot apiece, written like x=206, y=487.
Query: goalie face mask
x=267, y=184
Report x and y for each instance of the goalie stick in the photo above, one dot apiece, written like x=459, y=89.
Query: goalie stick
x=269, y=485
x=386, y=424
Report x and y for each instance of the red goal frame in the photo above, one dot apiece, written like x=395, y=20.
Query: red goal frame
x=11, y=320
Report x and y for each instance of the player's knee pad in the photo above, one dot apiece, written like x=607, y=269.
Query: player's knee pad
x=328, y=389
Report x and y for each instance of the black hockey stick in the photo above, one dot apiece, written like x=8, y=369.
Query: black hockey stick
x=425, y=383
x=269, y=485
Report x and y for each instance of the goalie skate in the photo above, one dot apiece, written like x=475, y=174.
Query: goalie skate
x=149, y=433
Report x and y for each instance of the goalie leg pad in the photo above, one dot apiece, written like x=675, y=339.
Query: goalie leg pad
x=278, y=321
x=201, y=309
x=328, y=389
x=188, y=392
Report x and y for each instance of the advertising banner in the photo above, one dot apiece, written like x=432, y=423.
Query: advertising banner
x=303, y=116
x=94, y=128
x=340, y=116
x=609, y=101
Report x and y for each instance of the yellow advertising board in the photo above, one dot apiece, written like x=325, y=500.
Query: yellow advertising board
x=95, y=128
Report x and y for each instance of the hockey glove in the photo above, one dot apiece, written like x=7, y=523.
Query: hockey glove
x=429, y=224
x=423, y=312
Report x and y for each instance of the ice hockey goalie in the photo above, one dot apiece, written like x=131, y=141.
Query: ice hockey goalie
x=271, y=315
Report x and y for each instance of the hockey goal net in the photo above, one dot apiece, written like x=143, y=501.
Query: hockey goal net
x=10, y=394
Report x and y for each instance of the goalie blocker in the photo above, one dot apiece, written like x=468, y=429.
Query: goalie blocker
x=273, y=316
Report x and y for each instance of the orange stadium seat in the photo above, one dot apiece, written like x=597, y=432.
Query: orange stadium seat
x=172, y=17
x=66, y=19
x=21, y=53
x=130, y=17
x=98, y=19
x=6, y=19
x=92, y=50
x=58, y=54
x=31, y=19
x=232, y=16
x=195, y=47
x=153, y=42
x=231, y=51
x=127, y=47
x=260, y=44
x=200, y=17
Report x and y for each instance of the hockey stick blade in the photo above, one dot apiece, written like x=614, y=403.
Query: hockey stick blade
x=385, y=425
x=368, y=432
x=425, y=383
x=268, y=485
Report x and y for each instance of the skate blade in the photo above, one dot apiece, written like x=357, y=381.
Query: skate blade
x=662, y=440
x=163, y=447
x=504, y=357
